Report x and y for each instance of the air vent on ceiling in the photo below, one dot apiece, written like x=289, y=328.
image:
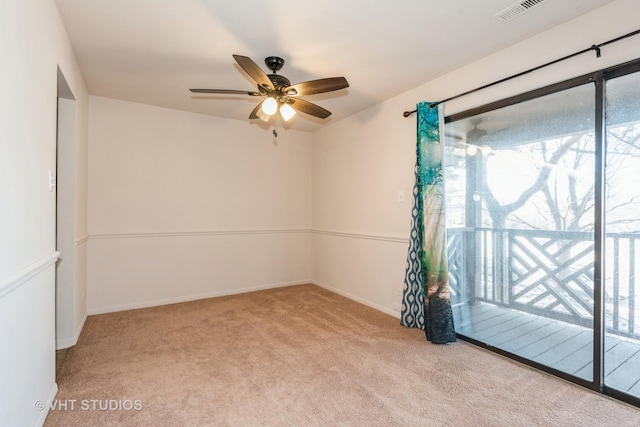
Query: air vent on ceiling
x=516, y=10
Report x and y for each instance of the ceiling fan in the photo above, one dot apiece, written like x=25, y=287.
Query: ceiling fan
x=473, y=134
x=470, y=139
x=279, y=92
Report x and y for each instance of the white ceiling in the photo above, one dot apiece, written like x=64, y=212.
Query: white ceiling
x=153, y=51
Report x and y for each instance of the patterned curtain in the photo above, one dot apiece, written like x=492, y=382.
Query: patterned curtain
x=426, y=302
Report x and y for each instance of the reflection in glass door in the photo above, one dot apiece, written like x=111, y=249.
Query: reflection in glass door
x=622, y=244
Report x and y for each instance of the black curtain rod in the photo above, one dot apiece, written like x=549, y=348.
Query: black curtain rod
x=595, y=47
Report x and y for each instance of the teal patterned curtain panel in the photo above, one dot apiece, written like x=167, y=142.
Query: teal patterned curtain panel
x=426, y=302
x=412, y=314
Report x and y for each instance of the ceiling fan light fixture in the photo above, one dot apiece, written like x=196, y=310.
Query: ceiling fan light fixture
x=261, y=115
x=269, y=106
x=287, y=112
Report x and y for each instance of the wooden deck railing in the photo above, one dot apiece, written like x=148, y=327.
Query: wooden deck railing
x=547, y=273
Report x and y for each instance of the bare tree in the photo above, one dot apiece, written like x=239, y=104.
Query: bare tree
x=565, y=200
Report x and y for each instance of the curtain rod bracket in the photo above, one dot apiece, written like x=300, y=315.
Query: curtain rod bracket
x=432, y=105
x=597, y=49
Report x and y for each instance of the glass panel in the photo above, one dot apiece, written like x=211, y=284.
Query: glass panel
x=520, y=220
x=622, y=338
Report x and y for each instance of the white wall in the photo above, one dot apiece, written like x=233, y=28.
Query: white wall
x=185, y=206
x=33, y=44
x=360, y=230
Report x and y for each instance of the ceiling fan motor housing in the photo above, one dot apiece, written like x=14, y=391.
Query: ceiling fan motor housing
x=275, y=63
x=279, y=81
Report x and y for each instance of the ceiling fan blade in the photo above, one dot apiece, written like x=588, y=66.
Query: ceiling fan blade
x=254, y=71
x=227, y=91
x=254, y=113
x=317, y=86
x=308, y=108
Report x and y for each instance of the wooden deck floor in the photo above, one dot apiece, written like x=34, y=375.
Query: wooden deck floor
x=555, y=344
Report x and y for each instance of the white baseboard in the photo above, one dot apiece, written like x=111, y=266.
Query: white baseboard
x=358, y=299
x=71, y=341
x=45, y=412
x=166, y=301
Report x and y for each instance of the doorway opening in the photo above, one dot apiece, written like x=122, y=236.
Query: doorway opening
x=65, y=176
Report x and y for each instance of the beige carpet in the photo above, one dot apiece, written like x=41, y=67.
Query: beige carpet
x=302, y=356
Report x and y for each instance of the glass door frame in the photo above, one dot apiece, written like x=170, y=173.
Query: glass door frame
x=599, y=79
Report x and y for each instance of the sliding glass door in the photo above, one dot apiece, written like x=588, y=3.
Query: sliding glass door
x=622, y=303
x=522, y=177
x=536, y=222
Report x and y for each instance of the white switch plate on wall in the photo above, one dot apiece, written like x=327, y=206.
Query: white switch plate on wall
x=52, y=182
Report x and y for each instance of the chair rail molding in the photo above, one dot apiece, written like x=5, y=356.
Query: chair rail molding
x=387, y=238
x=82, y=240
x=195, y=233
x=19, y=277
